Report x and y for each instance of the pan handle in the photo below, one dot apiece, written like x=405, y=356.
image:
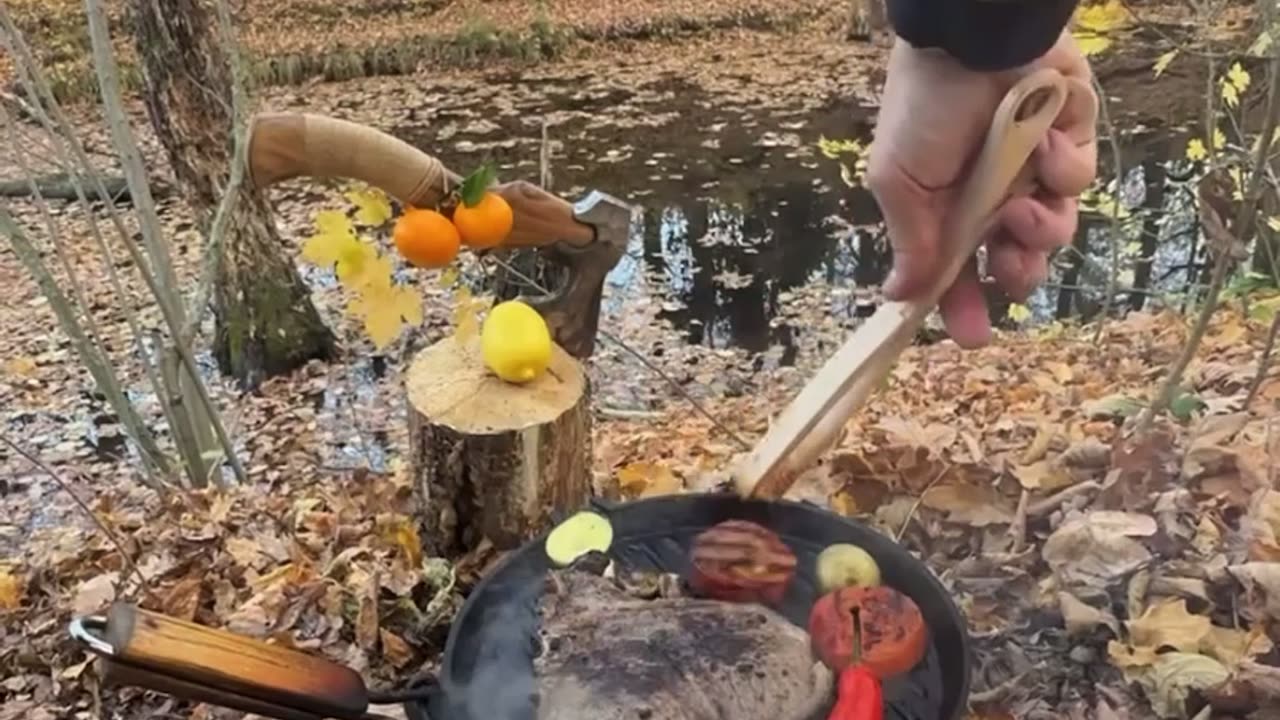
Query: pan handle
x=183, y=659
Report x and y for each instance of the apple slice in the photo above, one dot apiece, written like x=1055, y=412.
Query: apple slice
x=741, y=561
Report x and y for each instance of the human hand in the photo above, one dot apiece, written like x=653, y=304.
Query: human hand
x=932, y=123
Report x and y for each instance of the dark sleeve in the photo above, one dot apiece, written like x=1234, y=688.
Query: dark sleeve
x=985, y=35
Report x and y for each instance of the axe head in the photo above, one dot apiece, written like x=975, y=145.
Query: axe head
x=572, y=310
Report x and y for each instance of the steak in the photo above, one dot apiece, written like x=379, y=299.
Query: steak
x=609, y=653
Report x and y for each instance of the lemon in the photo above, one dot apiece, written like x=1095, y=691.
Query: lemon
x=515, y=342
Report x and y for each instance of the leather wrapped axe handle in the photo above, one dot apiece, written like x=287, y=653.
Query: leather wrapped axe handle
x=815, y=418
x=590, y=238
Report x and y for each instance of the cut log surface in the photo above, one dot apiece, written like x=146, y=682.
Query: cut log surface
x=490, y=459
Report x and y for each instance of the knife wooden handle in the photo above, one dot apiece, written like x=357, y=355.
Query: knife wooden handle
x=286, y=145
x=813, y=420
x=199, y=662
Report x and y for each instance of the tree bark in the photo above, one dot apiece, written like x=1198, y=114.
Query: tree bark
x=265, y=322
x=491, y=460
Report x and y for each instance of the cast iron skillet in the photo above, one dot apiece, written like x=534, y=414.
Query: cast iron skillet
x=487, y=670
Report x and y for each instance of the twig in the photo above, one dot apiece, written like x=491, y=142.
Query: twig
x=1243, y=230
x=1264, y=362
x=168, y=303
x=1018, y=528
x=135, y=173
x=1113, y=274
x=742, y=444
x=906, y=522
x=111, y=536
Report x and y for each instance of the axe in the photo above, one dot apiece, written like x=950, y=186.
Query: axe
x=589, y=237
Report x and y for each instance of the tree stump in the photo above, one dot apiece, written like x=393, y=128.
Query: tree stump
x=490, y=459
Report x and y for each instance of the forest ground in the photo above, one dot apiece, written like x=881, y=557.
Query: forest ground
x=974, y=458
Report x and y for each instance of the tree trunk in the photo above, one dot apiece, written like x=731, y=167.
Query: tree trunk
x=265, y=322
x=492, y=460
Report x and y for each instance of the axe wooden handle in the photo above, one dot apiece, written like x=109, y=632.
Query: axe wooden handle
x=197, y=662
x=288, y=145
x=814, y=419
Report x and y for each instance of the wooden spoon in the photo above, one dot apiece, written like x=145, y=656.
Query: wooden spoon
x=813, y=420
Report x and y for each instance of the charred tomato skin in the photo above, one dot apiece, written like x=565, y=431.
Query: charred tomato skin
x=741, y=561
x=894, y=634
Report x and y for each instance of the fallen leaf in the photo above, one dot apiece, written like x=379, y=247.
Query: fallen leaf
x=95, y=594
x=968, y=504
x=935, y=437
x=1127, y=657
x=1111, y=407
x=1081, y=618
x=395, y=649
x=1089, y=453
x=183, y=599
x=643, y=479
x=1045, y=475
x=1167, y=624
x=1253, y=689
x=1039, y=445
x=1261, y=578
x=10, y=590
x=1096, y=548
x=367, y=616
x=1172, y=678
x=1232, y=646
x=245, y=552
x=402, y=532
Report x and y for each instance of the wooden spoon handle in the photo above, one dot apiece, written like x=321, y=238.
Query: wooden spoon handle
x=813, y=420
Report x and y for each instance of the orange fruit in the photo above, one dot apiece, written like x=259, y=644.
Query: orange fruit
x=426, y=238
x=486, y=224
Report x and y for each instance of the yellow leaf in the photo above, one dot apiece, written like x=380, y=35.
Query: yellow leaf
x=10, y=590
x=1238, y=77
x=647, y=479
x=1162, y=62
x=1195, y=149
x=464, y=315
x=372, y=206
x=1018, y=312
x=449, y=276
x=333, y=234
x=1273, y=222
x=1091, y=43
x=1167, y=624
x=365, y=268
x=1094, y=20
x=384, y=311
x=1219, y=139
x=1102, y=16
x=1230, y=93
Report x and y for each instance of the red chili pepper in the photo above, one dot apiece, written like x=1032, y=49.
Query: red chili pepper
x=859, y=696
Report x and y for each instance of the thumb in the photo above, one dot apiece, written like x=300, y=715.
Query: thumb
x=913, y=219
